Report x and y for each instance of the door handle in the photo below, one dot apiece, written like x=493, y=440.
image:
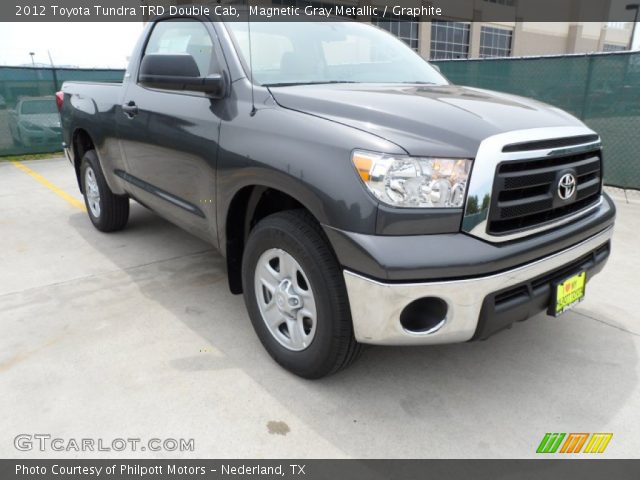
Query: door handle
x=130, y=109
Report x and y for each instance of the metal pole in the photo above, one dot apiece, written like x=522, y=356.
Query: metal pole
x=53, y=71
x=633, y=30
x=636, y=7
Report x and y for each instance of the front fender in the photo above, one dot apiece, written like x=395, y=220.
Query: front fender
x=306, y=157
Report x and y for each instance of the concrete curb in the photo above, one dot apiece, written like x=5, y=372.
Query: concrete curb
x=622, y=195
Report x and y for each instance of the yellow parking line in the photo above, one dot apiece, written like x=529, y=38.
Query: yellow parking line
x=54, y=188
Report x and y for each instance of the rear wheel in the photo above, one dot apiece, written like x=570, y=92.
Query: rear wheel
x=296, y=297
x=108, y=212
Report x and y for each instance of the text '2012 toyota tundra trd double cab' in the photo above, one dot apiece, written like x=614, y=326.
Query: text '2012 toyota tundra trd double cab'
x=357, y=196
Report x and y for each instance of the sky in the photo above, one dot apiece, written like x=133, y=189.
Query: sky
x=82, y=44
x=89, y=44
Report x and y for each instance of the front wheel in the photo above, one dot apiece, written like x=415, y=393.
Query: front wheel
x=296, y=297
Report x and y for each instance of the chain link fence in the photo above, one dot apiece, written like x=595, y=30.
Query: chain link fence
x=29, y=121
x=603, y=90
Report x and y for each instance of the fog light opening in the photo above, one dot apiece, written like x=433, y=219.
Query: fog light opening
x=425, y=315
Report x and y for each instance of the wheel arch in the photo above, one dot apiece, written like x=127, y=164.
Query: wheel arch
x=81, y=143
x=248, y=206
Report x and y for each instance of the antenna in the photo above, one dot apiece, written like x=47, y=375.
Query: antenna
x=253, y=102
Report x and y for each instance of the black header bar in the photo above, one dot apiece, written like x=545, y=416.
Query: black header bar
x=547, y=469
x=303, y=10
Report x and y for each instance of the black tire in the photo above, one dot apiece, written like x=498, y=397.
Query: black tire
x=333, y=346
x=113, y=209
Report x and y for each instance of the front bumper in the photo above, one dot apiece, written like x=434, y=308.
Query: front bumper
x=376, y=306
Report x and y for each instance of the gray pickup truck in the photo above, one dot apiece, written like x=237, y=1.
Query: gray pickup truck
x=357, y=196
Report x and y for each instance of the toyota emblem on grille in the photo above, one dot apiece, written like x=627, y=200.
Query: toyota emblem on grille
x=567, y=186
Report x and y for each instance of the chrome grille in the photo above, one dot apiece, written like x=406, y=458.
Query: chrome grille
x=525, y=192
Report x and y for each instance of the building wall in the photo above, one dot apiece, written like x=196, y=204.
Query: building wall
x=528, y=42
x=537, y=38
x=528, y=38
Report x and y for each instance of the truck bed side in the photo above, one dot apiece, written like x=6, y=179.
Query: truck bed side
x=90, y=111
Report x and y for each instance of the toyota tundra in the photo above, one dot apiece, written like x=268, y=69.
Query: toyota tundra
x=357, y=196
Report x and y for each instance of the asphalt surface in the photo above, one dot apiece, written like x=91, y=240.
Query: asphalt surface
x=135, y=335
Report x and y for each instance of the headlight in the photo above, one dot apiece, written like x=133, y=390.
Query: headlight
x=417, y=182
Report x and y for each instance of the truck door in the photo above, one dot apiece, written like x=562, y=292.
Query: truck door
x=170, y=138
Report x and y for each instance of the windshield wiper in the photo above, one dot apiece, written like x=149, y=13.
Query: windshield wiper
x=291, y=84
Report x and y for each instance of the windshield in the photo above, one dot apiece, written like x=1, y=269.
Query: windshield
x=30, y=107
x=329, y=52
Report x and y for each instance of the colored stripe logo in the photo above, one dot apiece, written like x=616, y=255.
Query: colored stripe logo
x=574, y=443
x=598, y=442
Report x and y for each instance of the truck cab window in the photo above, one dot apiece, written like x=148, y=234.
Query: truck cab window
x=184, y=36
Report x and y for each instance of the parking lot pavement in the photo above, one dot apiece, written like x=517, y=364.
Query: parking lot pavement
x=135, y=335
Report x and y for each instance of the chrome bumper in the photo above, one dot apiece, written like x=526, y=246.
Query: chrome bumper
x=376, y=307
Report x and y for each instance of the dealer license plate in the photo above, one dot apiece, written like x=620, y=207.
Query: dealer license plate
x=568, y=293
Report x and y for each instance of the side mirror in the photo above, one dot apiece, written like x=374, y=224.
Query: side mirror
x=178, y=72
x=436, y=67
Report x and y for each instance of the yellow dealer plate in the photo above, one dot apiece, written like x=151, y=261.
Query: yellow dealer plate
x=568, y=292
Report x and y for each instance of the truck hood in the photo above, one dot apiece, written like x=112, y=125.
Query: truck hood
x=424, y=120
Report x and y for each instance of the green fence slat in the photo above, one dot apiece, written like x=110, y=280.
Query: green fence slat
x=29, y=121
x=602, y=89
